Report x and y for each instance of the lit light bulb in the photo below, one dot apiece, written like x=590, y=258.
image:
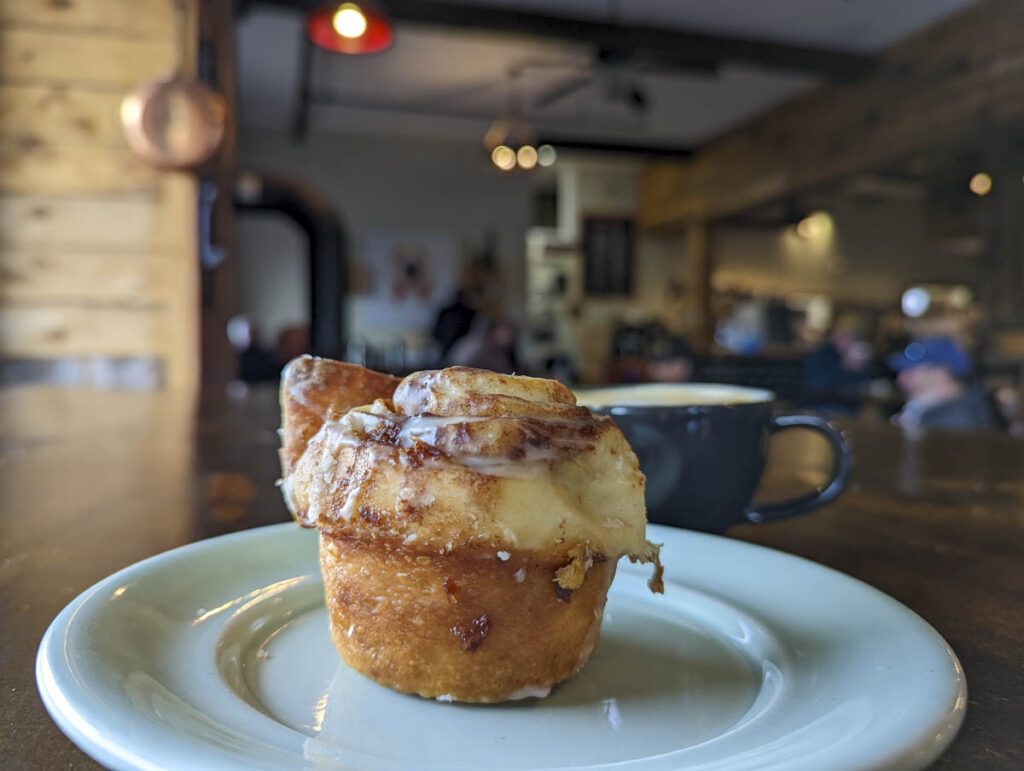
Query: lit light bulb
x=527, y=157
x=349, y=21
x=807, y=228
x=816, y=226
x=915, y=302
x=546, y=155
x=981, y=183
x=504, y=157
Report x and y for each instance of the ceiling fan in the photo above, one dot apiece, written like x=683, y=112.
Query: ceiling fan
x=615, y=75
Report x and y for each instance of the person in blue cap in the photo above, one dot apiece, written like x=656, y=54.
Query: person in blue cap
x=933, y=372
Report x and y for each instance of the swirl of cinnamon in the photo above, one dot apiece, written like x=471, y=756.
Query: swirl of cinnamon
x=466, y=458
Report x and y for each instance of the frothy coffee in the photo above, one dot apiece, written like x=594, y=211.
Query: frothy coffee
x=671, y=395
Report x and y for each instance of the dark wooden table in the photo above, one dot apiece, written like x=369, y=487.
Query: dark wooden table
x=91, y=482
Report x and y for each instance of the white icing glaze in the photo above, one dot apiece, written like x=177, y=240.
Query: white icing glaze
x=297, y=387
x=571, y=478
x=529, y=691
x=526, y=692
x=354, y=428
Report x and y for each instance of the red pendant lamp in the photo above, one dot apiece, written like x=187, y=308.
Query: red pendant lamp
x=350, y=28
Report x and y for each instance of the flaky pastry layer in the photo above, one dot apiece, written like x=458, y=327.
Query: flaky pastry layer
x=467, y=458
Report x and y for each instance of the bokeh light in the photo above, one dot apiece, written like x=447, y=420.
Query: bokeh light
x=981, y=183
x=350, y=21
x=916, y=301
x=546, y=155
x=504, y=157
x=527, y=157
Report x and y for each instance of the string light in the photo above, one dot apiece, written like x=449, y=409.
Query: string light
x=504, y=157
x=981, y=183
x=546, y=155
x=527, y=157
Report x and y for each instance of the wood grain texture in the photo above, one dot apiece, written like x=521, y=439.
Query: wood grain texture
x=54, y=331
x=33, y=166
x=936, y=89
x=118, y=221
x=46, y=275
x=98, y=252
x=33, y=55
x=58, y=113
x=935, y=523
x=146, y=18
x=178, y=224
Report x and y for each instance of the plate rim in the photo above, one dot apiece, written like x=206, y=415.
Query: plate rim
x=923, y=750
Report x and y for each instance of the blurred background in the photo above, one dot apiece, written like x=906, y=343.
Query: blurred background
x=821, y=197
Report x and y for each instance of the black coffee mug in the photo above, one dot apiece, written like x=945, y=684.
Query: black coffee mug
x=703, y=447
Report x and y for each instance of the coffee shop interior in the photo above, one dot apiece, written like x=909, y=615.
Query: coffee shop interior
x=818, y=198
x=599, y=192
x=789, y=215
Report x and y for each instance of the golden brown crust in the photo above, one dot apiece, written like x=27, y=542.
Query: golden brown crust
x=314, y=390
x=467, y=626
x=469, y=522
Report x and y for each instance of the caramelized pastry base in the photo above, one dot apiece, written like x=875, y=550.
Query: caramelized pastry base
x=464, y=626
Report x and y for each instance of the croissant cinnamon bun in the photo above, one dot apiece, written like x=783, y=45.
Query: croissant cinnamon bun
x=470, y=523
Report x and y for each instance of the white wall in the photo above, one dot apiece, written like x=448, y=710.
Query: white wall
x=382, y=184
x=594, y=186
x=274, y=280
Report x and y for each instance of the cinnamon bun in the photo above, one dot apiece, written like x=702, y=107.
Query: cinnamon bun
x=470, y=523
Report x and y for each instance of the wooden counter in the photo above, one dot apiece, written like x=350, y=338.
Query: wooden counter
x=91, y=482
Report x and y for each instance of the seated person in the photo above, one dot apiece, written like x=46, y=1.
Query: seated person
x=255, y=363
x=489, y=344
x=671, y=360
x=837, y=373
x=932, y=372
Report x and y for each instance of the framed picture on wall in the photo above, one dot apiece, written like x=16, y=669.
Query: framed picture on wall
x=608, y=256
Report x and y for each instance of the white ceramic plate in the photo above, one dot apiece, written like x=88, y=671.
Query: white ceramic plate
x=217, y=655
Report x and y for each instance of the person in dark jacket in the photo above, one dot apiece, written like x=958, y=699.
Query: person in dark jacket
x=836, y=375
x=453, y=322
x=933, y=373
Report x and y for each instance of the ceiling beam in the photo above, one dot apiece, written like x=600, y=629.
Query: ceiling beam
x=945, y=88
x=561, y=141
x=665, y=47
x=611, y=146
x=657, y=45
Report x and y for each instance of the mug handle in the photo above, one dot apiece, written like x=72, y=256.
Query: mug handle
x=826, y=493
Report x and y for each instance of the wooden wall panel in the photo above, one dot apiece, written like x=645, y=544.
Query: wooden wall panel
x=50, y=275
x=940, y=88
x=141, y=18
x=31, y=166
x=33, y=55
x=52, y=331
x=56, y=113
x=177, y=223
x=98, y=252
x=109, y=221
